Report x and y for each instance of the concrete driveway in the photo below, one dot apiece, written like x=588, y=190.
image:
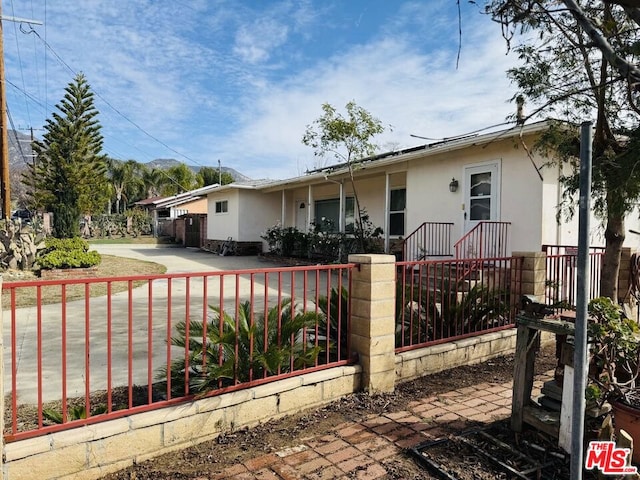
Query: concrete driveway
x=141, y=322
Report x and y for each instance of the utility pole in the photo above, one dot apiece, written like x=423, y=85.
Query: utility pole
x=5, y=187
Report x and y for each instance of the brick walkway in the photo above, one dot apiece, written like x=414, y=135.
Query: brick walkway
x=361, y=449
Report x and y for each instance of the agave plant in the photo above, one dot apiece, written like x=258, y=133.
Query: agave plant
x=227, y=350
x=74, y=412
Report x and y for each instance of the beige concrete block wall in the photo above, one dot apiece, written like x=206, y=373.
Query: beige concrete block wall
x=534, y=271
x=426, y=361
x=373, y=319
x=93, y=451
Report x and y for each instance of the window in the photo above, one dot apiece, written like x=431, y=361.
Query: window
x=222, y=206
x=397, y=205
x=327, y=214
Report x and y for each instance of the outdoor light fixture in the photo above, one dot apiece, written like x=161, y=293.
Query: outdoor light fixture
x=302, y=206
x=453, y=186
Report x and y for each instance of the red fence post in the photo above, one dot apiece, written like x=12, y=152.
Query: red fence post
x=373, y=319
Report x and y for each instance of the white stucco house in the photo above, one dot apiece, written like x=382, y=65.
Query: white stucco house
x=458, y=182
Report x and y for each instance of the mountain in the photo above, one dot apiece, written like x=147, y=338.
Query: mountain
x=164, y=163
x=20, y=152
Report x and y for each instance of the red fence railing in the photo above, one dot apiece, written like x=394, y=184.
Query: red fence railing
x=443, y=300
x=431, y=239
x=84, y=351
x=562, y=274
x=485, y=240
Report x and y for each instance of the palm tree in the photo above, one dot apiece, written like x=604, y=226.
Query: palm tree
x=248, y=347
x=124, y=180
x=153, y=181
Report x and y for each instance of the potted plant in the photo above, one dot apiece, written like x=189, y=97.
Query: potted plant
x=615, y=365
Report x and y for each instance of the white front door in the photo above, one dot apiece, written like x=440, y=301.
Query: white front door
x=301, y=215
x=482, y=194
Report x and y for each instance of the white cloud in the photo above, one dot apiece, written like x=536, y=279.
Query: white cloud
x=416, y=93
x=254, y=42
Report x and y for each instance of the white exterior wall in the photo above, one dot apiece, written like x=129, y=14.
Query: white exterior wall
x=220, y=226
x=566, y=233
x=257, y=211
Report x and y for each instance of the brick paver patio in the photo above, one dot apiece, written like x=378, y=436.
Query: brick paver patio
x=362, y=449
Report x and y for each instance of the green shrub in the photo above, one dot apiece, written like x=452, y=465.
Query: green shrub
x=69, y=259
x=51, y=244
x=67, y=253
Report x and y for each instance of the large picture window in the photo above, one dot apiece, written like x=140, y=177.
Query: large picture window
x=327, y=214
x=397, y=206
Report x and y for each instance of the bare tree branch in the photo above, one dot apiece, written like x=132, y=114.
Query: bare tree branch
x=627, y=69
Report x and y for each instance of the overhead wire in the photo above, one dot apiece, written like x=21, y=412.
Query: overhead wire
x=15, y=28
x=117, y=111
x=15, y=133
x=151, y=136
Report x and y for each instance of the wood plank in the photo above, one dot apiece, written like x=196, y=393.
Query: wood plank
x=547, y=422
x=526, y=342
x=553, y=325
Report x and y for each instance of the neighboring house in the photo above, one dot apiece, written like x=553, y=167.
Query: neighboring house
x=164, y=210
x=456, y=182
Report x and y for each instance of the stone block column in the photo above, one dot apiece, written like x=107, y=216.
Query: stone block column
x=534, y=274
x=373, y=294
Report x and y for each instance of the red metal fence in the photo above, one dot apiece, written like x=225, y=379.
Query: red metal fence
x=431, y=239
x=485, y=240
x=84, y=351
x=562, y=274
x=444, y=300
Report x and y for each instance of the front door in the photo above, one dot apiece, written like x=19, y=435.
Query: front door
x=301, y=215
x=482, y=194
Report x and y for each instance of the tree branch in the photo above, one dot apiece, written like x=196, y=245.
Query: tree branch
x=627, y=69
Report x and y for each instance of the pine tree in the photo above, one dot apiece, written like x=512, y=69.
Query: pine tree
x=68, y=177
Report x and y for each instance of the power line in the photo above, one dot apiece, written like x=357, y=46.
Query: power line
x=15, y=134
x=15, y=29
x=65, y=64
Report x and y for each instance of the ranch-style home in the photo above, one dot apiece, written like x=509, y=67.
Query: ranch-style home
x=431, y=196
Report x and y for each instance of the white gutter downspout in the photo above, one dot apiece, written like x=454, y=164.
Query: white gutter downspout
x=387, y=200
x=283, y=210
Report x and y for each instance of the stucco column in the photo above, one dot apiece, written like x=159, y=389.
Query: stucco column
x=534, y=274
x=373, y=319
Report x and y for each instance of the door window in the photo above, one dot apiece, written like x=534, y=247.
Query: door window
x=480, y=196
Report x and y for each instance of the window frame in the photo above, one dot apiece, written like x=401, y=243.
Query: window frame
x=224, y=207
x=348, y=227
x=402, y=212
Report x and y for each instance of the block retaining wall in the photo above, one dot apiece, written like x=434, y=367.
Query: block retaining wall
x=89, y=452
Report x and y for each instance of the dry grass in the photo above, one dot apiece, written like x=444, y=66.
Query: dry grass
x=110, y=266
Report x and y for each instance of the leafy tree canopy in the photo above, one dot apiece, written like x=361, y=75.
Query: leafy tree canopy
x=579, y=62
x=211, y=176
x=348, y=138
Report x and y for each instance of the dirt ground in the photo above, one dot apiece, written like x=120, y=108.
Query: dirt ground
x=230, y=448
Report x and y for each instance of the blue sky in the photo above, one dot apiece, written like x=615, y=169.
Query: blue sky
x=238, y=81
